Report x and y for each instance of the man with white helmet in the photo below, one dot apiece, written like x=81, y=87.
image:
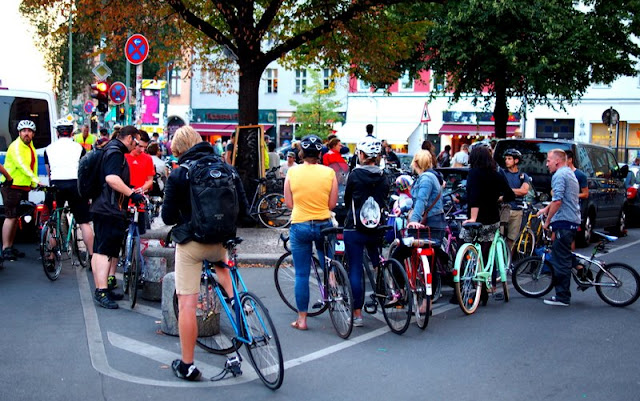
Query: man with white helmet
x=61, y=159
x=21, y=164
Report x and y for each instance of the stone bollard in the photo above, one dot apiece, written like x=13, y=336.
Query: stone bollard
x=169, y=324
x=158, y=262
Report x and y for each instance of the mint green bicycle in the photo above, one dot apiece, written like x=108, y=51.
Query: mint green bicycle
x=470, y=273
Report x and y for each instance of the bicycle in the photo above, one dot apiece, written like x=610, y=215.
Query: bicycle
x=330, y=282
x=269, y=208
x=470, y=274
x=530, y=235
x=533, y=276
x=131, y=261
x=58, y=235
x=248, y=322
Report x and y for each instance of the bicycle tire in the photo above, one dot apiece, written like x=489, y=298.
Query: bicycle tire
x=46, y=234
x=525, y=245
x=83, y=258
x=126, y=267
x=264, y=350
x=273, y=211
x=340, y=299
x=396, y=298
x=531, y=279
x=284, y=276
x=629, y=284
x=467, y=288
x=135, y=273
x=220, y=343
x=422, y=302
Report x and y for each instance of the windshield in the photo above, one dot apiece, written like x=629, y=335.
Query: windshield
x=13, y=109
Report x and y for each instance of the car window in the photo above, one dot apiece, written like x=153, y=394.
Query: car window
x=613, y=165
x=584, y=162
x=600, y=162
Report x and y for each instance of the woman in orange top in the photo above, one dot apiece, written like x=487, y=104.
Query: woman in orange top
x=311, y=190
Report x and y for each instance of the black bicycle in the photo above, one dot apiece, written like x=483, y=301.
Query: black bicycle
x=268, y=206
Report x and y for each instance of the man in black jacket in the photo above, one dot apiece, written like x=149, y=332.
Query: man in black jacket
x=109, y=213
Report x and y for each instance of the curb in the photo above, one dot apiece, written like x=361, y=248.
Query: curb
x=268, y=259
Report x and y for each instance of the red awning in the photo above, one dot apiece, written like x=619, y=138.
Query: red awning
x=208, y=129
x=472, y=129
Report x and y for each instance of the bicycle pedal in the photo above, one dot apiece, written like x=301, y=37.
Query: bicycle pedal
x=371, y=307
x=317, y=305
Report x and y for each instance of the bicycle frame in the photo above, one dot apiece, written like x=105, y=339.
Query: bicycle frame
x=494, y=258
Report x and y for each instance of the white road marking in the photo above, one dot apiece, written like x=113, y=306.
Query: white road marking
x=618, y=248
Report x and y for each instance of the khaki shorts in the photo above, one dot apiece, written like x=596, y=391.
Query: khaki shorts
x=515, y=223
x=189, y=258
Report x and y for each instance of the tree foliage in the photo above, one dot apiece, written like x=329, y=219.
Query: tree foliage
x=317, y=115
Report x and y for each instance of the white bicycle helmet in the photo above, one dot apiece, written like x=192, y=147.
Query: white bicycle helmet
x=64, y=126
x=370, y=146
x=26, y=124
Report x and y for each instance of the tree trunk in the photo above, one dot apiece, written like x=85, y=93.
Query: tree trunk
x=501, y=112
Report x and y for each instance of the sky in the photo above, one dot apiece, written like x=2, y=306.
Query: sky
x=21, y=64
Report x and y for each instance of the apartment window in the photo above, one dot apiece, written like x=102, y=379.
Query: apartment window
x=406, y=83
x=439, y=82
x=328, y=80
x=601, y=85
x=301, y=81
x=363, y=86
x=272, y=80
x=174, y=86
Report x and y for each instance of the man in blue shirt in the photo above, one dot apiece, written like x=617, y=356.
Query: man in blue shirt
x=563, y=215
x=519, y=183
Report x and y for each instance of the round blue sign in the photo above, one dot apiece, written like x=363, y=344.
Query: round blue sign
x=89, y=107
x=118, y=92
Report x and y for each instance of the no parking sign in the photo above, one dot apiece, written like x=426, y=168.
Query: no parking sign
x=118, y=92
x=136, y=49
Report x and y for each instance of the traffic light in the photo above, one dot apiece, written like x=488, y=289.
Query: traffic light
x=120, y=114
x=100, y=92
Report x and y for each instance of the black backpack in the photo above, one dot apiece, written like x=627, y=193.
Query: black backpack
x=214, y=200
x=90, y=180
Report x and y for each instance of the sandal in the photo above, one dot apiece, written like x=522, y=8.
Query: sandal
x=296, y=325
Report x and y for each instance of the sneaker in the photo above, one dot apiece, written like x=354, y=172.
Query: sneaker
x=184, y=371
x=115, y=296
x=112, y=282
x=555, y=302
x=357, y=321
x=7, y=254
x=17, y=253
x=102, y=299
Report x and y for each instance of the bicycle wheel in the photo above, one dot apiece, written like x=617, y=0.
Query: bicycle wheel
x=264, y=350
x=209, y=314
x=340, y=299
x=627, y=284
x=422, y=302
x=273, y=212
x=52, y=267
x=284, y=276
x=78, y=245
x=395, y=296
x=126, y=267
x=135, y=270
x=503, y=262
x=525, y=245
x=531, y=278
x=468, y=288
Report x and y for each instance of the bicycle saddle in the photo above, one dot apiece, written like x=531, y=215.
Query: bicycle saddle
x=331, y=230
x=472, y=226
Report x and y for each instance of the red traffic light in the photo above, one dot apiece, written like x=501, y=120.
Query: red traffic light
x=101, y=86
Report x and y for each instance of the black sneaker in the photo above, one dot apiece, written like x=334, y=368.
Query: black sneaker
x=184, y=371
x=555, y=302
x=8, y=255
x=112, y=282
x=102, y=299
x=115, y=296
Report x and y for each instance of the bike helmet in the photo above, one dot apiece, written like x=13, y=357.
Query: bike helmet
x=370, y=146
x=404, y=182
x=26, y=124
x=513, y=153
x=479, y=144
x=64, y=126
x=311, y=145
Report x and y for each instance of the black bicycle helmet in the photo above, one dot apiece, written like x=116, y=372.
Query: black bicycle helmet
x=311, y=145
x=513, y=153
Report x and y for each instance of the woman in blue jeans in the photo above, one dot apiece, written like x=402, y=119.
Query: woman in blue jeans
x=311, y=191
x=366, y=180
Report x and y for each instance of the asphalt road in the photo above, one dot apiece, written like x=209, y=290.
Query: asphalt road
x=56, y=345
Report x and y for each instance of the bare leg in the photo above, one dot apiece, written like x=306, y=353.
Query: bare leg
x=100, y=267
x=87, y=236
x=187, y=326
x=9, y=232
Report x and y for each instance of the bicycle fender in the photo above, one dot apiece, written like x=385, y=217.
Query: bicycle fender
x=459, y=256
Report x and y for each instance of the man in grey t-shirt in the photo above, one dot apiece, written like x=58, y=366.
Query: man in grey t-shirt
x=563, y=215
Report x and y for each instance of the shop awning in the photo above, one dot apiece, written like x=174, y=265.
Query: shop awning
x=472, y=129
x=208, y=129
x=394, y=133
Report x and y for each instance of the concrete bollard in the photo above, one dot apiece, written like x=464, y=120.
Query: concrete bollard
x=158, y=262
x=169, y=324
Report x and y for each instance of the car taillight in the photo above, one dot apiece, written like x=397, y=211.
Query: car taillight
x=340, y=236
x=632, y=192
x=40, y=208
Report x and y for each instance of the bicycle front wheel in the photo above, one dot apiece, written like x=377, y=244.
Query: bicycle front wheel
x=620, y=290
x=395, y=296
x=340, y=299
x=525, y=245
x=531, y=278
x=273, y=212
x=264, y=349
x=284, y=276
x=135, y=269
x=422, y=301
x=51, y=261
x=78, y=246
x=468, y=288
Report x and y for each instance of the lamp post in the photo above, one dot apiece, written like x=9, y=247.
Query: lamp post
x=70, y=59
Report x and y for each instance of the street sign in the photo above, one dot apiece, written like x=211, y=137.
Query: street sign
x=425, y=114
x=610, y=117
x=118, y=92
x=101, y=71
x=89, y=107
x=136, y=49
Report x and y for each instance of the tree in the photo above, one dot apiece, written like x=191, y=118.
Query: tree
x=317, y=115
x=544, y=52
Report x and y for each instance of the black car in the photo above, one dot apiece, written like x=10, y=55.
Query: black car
x=606, y=205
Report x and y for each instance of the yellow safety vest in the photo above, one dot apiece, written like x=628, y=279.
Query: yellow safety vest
x=88, y=143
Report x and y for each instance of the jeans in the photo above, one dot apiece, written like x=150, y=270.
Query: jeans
x=561, y=262
x=301, y=239
x=354, y=244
